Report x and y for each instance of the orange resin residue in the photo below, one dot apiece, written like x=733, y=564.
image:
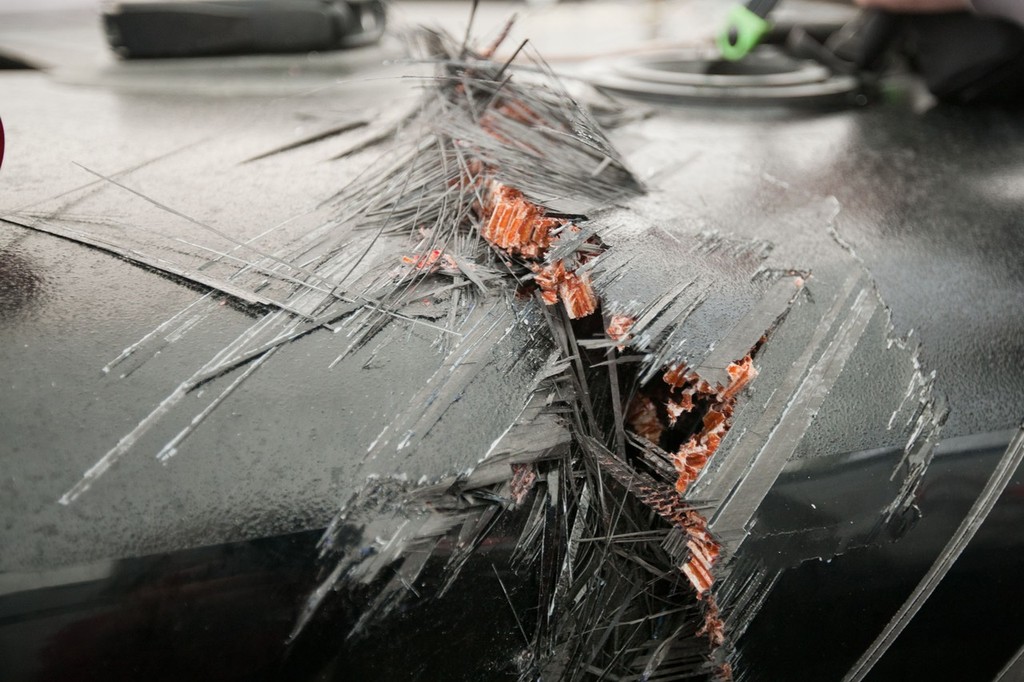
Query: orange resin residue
x=704, y=551
x=643, y=419
x=714, y=629
x=519, y=111
x=678, y=377
x=432, y=260
x=577, y=295
x=693, y=455
x=517, y=225
x=683, y=391
x=520, y=227
x=575, y=291
x=548, y=278
x=675, y=376
x=703, y=548
x=740, y=374
x=675, y=410
x=524, y=476
x=514, y=111
x=619, y=327
x=698, y=576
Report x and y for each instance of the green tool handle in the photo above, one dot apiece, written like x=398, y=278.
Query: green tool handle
x=744, y=28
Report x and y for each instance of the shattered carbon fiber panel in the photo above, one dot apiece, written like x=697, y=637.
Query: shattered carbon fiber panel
x=717, y=301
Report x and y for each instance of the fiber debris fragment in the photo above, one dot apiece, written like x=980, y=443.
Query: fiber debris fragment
x=499, y=183
x=507, y=164
x=689, y=546
x=507, y=173
x=683, y=391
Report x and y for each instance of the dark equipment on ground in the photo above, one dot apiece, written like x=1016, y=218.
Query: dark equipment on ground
x=223, y=27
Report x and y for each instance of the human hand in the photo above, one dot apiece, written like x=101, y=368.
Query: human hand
x=917, y=6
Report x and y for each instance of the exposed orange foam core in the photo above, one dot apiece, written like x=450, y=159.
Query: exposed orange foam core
x=520, y=227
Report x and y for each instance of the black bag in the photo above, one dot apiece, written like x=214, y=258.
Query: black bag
x=965, y=58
